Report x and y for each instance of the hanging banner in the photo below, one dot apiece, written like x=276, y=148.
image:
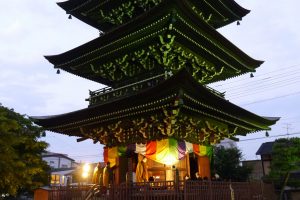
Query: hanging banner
x=167, y=151
x=110, y=155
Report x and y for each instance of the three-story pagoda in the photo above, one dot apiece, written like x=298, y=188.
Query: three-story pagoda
x=156, y=58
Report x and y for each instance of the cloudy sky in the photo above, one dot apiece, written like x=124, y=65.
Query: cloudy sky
x=31, y=29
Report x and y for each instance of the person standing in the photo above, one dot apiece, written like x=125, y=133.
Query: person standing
x=197, y=176
x=142, y=171
x=107, y=175
x=97, y=174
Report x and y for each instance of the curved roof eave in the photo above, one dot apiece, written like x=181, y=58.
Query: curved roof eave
x=88, y=47
x=77, y=7
x=181, y=79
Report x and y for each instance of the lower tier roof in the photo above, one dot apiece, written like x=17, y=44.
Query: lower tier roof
x=178, y=107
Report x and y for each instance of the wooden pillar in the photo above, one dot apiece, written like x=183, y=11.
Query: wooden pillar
x=204, y=166
x=187, y=157
x=130, y=170
x=117, y=172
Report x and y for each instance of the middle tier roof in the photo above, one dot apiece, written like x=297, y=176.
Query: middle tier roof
x=178, y=107
x=167, y=38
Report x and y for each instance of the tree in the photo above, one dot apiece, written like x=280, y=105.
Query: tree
x=285, y=159
x=226, y=163
x=21, y=166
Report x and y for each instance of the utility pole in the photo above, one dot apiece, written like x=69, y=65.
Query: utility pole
x=287, y=127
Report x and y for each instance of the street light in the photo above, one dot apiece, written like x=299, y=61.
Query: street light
x=85, y=170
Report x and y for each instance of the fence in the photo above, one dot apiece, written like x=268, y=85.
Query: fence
x=169, y=190
x=77, y=192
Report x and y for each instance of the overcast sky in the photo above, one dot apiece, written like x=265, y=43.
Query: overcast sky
x=30, y=85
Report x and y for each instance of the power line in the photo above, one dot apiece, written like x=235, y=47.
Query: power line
x=281, y=69
x=254, y=80
x=273, y=98
x=61, y=139
x=240, y=89
x=267, y=82
x=289, y=118
x=295, y=122
x=259, y=89
x=258, y=138
x=273, y=136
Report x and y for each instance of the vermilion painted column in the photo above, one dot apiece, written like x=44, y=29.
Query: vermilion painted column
x=204, y=166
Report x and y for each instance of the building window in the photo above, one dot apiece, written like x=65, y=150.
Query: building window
x=54, y=179
x=52, y=164
x=64, y=166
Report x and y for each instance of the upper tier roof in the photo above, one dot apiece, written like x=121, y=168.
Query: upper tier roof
x=167, y=38
x=108, y=14
x=179, y=107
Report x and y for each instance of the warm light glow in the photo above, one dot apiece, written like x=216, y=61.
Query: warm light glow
x=86, y=167
x=170, y=160
x=85, y=174
x=85, y=170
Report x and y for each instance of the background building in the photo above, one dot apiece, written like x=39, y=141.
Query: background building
x=265, y=152
x=62, y=168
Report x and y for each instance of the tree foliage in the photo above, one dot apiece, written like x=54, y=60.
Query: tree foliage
x=285, y=160
x=21, y=165
x=226, y=163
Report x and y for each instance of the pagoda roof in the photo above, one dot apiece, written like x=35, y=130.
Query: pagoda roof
x=106, y=15
x=166, y=38
x=180, y=98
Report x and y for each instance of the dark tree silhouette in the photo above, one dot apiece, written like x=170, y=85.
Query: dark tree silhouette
x=285, y=161
x=227, y=164
x=21, y=166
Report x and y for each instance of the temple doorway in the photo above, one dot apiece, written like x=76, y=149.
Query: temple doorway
x=193, y=165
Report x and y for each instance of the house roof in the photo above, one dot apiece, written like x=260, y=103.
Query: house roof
x=265, y=149
x=51, y=154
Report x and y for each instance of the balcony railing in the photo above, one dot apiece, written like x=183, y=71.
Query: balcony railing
x=107, y=94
